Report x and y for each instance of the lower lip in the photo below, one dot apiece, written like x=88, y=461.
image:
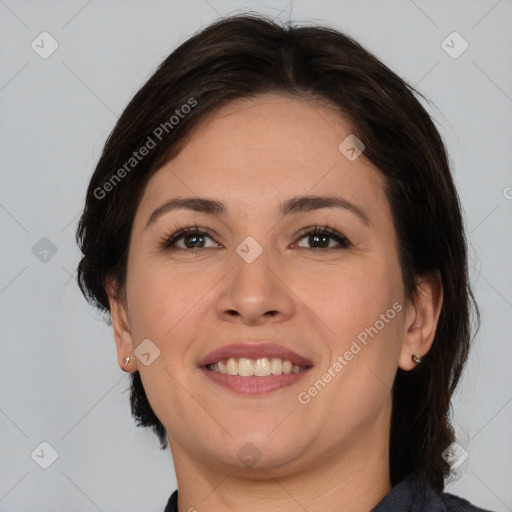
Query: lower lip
x=255, y=385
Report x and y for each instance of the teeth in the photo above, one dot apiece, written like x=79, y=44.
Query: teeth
x=245, y=367
x=231, y=367
x=261, y=367
x=276, y=365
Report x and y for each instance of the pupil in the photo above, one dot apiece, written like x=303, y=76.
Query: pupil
x=319, y=240
x=193, y=241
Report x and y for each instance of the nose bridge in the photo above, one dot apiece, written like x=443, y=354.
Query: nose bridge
x=253, y=291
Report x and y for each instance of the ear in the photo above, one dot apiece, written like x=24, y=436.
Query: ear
x=421, y=319
x=121, y=326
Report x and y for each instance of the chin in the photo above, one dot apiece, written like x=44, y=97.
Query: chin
x=257, y=453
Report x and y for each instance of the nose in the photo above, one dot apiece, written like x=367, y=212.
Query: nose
x=255, y=293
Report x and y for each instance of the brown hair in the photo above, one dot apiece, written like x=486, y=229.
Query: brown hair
x=247, y=55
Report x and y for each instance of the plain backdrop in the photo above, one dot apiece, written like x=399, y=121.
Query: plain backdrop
x=61, y=383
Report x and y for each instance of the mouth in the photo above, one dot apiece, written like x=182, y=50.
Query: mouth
x=254, y=368
x=260, y=367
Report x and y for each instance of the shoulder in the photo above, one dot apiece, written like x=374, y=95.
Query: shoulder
x=406, y=496
x=454, y=503
x=410, y=496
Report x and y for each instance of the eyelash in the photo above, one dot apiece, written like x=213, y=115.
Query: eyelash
x=330, y=232
x=167, y=242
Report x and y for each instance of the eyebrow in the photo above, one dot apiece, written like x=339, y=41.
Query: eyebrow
x=197, y=204
x=308, y=203
x=297, y=204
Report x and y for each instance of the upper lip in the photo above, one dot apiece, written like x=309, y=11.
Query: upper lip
x=254, y=351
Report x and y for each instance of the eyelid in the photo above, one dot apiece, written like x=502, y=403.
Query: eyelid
x=344, y=242
x=167, y=241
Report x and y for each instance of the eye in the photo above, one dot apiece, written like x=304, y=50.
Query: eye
x=323, y=237
x=195, y=238
x=188, y=238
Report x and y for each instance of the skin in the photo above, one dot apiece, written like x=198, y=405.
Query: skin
x=252, y=155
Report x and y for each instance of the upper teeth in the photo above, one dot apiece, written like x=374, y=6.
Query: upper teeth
x=261, y=367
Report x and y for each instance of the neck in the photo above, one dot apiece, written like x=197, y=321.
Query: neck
x=353, y=477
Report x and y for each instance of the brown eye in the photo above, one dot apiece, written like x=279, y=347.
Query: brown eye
x=321, y=241
x=188, y=238
x=324, y=238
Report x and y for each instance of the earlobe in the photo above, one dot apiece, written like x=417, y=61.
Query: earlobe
x=121, y=327
x=421, y=321
x=125, y=365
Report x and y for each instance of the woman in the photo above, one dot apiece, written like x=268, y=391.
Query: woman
x=275, y=232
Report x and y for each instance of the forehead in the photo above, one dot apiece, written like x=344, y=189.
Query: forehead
x=264, y=150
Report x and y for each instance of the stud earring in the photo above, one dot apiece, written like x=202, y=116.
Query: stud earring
x=126, y=361
x=416, y=358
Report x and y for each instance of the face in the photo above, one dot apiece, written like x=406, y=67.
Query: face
x=291, y=262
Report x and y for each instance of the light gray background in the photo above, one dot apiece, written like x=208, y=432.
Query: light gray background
x=60, y=379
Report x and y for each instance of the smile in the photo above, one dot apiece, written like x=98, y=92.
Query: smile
x=260, y=367
x=254, y=367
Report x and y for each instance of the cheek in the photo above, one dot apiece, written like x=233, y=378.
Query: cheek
x=349, y=298
x=161, y=308
x=161, y=297
x=364, y=312
x=362, y=308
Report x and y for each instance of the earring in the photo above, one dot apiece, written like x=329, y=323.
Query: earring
x=126, y=361
x=416, y=358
